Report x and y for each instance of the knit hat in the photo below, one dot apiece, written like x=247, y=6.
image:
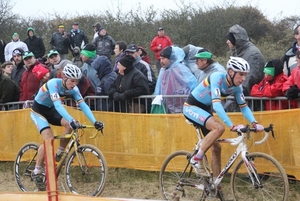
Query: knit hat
x=101, y=28
x=231, y=38
x=166, y=52
x=89, y=51
x=39, y=71
x=30, y=29
x=127, y=61
x=15, y=34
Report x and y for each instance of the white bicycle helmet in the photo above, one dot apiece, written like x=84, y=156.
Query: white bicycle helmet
x=238, y=64
x=71, y=71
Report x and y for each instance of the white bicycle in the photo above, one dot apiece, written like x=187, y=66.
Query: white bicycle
x=257, y=176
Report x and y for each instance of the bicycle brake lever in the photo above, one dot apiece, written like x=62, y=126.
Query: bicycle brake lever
x=272, y=131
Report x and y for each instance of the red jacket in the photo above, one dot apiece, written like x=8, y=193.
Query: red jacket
x=164, y=41
x=30, y=84
x=293, y=79
x=271, y=90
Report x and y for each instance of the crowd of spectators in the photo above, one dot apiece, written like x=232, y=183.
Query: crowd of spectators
x=124, y=71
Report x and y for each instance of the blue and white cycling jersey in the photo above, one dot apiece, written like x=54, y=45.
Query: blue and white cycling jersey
x=210, y=92
x=51, y=94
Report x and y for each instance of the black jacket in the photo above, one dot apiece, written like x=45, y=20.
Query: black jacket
x=78, y=38
x=36, y=46
x=60, y=43
x=125, y=87
x=16, y=74
x=9, y=91
x=2, y=46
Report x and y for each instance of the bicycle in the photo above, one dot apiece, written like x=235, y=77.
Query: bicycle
x=84, y=165
x=257, y=176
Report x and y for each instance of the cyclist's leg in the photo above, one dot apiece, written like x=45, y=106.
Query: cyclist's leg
x=216, y=131
x=63, y=142
x=216, y=154
x=216, y=159
x=46, y=133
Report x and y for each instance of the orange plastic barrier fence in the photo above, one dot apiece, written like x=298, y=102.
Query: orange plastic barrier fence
x=143, y=141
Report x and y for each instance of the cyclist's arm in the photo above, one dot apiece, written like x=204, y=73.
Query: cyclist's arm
x=87, y=111
x=53, y=89
x=240, y=99
x=59, y=106
x=216, y=102
x=84, y=107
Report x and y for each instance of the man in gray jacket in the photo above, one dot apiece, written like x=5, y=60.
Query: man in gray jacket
x=240, y=46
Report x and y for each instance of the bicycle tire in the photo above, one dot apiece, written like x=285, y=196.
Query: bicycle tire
x=93, y=175
x=24, y=164
x=176, y=168
x=274, y=182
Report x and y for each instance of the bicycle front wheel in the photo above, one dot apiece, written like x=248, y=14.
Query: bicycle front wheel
x=24, y=165
x=86, y=171
x=178, y=179
x=269, y=179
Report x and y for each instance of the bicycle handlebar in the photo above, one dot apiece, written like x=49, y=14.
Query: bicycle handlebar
x=80, y=126
x=247, y=130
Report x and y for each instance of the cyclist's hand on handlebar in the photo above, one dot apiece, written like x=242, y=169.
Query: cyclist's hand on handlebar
x=99, y=125
x=238, y=127
x=258, y=127
x=74, y=124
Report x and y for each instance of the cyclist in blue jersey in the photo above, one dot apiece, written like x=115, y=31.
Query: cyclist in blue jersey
x=206, y=97
x=48, y=109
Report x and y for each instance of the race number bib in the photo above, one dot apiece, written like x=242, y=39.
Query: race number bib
x=54, y=97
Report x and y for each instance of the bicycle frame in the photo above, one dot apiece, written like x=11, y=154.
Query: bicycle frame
x=72, y=143
x=241, y=150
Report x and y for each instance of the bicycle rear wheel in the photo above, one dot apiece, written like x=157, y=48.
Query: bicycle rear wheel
x=24, y=165
x=178, y=179
x=271, y=182
x=86, y=171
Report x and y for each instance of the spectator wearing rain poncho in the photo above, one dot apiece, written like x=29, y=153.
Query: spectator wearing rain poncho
x=174, y=78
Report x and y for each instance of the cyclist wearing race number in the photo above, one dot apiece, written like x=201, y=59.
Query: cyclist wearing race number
x=48, y=108
x=207, y=96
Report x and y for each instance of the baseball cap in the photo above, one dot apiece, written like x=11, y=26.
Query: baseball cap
x=75, y=23
x=131, y=48
x=202, y=54
x=27, y=54
x=160, y=28
x=51, y=52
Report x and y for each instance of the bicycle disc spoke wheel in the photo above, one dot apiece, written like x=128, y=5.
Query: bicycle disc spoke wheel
x=176, y=181
x=24, y=165
x=271, y=182
x=86, y=171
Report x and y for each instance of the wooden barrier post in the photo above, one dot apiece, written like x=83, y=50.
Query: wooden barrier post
x=51, y=180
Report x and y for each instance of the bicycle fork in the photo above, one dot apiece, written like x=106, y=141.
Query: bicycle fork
x=81, y=160
x=251, y=169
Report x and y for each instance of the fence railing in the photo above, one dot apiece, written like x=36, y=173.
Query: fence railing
x=173, y=103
